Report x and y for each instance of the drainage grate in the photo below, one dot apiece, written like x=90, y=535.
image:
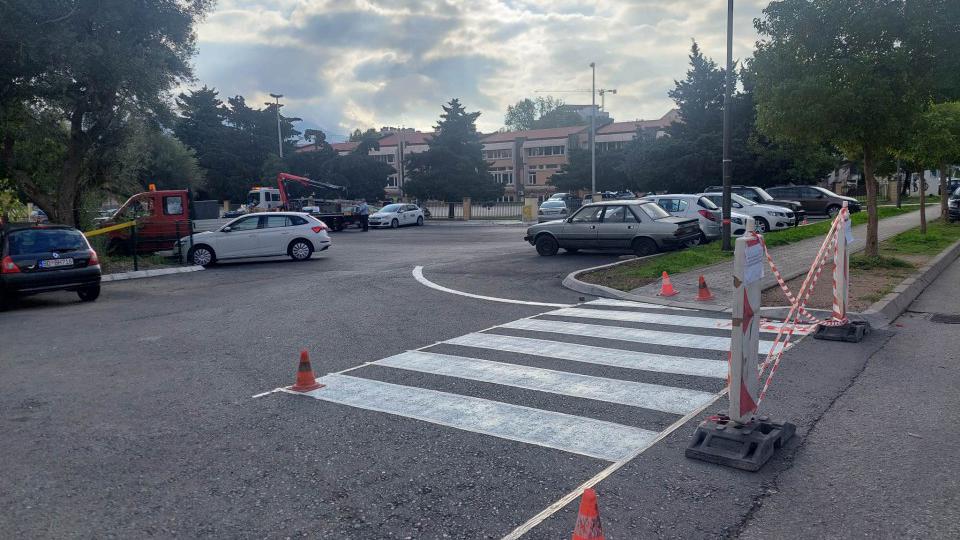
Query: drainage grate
x=945, y=318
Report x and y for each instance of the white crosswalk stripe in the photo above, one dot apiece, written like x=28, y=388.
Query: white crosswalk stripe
x=595, y=355
x=694, y=378
x=649, y=396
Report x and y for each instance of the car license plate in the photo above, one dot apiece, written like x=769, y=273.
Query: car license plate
x=52, y=263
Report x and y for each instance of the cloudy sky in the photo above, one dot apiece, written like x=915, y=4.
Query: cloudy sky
x=343, y=64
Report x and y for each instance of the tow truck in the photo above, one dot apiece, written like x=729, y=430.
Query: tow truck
x=262, y=199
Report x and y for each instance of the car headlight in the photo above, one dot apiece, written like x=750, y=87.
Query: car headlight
x=776, y=214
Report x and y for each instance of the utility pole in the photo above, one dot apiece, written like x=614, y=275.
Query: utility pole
x=728, y=90
x=279, y=134
x=593, y=125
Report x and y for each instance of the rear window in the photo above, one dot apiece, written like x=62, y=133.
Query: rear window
x=653, y=210
x=704, y=202
x=554, y=204
x=28, y=241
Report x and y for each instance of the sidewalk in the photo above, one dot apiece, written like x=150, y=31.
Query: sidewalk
x=792, y=260
x=880, y=463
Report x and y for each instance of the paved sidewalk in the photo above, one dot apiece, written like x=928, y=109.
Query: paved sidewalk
x=792, y=260
x=881, y=462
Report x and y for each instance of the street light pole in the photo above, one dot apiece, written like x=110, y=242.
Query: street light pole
x=279, y=134
x=593, y=124
x=727, y=173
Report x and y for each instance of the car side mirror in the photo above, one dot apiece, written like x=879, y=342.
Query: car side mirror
x=226, y=229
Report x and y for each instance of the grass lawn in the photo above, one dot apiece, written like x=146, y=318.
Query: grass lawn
x=115, y=263
x=629, y=276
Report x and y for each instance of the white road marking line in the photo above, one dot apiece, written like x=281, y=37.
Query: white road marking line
x=661, y=363
x=665, y=318
x=418, y=275
x=584, y=436
x=627, y=303
x=570, y=497
x=634, y=394
x=636, y=335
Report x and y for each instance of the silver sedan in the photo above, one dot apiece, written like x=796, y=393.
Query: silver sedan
x=638, y=226
x=551, y=210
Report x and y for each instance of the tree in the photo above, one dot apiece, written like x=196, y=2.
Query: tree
x=169, y=164
x=933, y=142
x=363, y=176
x=853, y=73
x=541, y=113
x=452, y=167
x=79, y=72
x=357, y=135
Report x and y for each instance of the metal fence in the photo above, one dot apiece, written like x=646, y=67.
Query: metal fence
x=478, y=210
x=444, y=210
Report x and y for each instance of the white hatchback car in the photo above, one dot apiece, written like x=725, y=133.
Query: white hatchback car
x=702, y=208
x=766, y=217
x=264, y=234
x=397, y=215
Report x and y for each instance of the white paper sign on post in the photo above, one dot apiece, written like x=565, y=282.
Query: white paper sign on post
x=848, y=230
x=753, y=268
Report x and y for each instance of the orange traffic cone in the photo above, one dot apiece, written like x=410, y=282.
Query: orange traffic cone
x=588, y=520
x=703, y=293
x=305, y=379
x=666, y=288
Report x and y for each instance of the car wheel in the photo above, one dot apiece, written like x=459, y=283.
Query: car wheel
x=832, y=211
x=547, y=246
x=643, y=247
x=394, y=224
x=89, y=294
x=300, y=250
x=761, y=225
x=571, y=250
x=420, y=221
x=202, y=255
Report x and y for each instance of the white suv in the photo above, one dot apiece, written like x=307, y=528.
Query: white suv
x=397, y=215
x=264, y=234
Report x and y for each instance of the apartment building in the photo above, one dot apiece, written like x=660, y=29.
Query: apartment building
x=523, y=161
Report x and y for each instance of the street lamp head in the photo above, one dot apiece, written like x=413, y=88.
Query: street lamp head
x=276, y=96
x=593, y=65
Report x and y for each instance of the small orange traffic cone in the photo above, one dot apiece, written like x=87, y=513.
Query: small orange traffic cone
x=703, y=293
x=305, y=379
x=588, y=519
x=666, y=288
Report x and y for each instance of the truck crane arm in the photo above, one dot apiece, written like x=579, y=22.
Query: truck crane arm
x=282, y=179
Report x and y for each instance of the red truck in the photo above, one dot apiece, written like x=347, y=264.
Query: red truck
x=162, y=218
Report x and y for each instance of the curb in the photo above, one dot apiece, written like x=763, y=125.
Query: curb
x=480, y=223
x=571, y=282
x=882, y=312
x=123, y=276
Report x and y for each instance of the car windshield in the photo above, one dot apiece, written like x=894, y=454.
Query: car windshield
x=957, y=192
x=763, y=194
x=707, y=203
x=29, y=241
x=557, y=196
x=742, y=200
x=824, y=190
x=391, y=208
x=554, y=204
x=653, y=210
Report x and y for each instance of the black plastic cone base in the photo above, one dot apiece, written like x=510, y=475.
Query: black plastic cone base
x=852, y=332
x=742, y=446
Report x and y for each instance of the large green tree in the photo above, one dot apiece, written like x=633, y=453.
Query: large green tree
x=79, y=72
x=452, y=167
x=933, y=143
x=853, y=73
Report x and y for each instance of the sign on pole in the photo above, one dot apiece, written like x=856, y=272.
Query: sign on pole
x=748, y=261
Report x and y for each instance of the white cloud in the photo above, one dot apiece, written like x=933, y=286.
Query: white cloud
x=344, y=64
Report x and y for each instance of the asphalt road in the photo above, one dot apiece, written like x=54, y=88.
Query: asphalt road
x=134, y=416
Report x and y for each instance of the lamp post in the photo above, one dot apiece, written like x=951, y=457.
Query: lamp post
x=593, y=123
x=728, y=90
x=279, y=134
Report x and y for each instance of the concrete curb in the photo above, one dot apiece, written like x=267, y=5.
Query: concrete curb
x=571, y=282
x=123, y=276
x=480, y=223
x=888, y=308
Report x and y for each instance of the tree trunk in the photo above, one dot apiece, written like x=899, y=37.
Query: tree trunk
x=873, y=248
x=923, y=204
x=944, y=196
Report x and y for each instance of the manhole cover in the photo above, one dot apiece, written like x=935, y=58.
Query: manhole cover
x=946, y=319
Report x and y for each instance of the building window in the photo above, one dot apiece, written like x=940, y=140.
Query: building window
x=503, y=175
x=546, y=151
x=532, y=178
x=392, y=180
x=498, y=154
x=384, y=158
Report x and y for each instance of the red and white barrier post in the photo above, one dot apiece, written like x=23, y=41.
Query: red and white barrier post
x=841, y=267
x=748, y=263
x=741, y=439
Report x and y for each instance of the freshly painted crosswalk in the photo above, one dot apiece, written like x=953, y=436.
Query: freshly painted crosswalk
x=684, y=373
x=586, y=436
x=636, y=394
x=595, y=355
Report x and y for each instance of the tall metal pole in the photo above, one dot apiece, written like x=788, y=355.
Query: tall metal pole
x=727, y=180
x=279, y=134
x=593, y=124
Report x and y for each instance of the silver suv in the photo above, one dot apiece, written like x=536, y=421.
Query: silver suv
x=638, y=226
